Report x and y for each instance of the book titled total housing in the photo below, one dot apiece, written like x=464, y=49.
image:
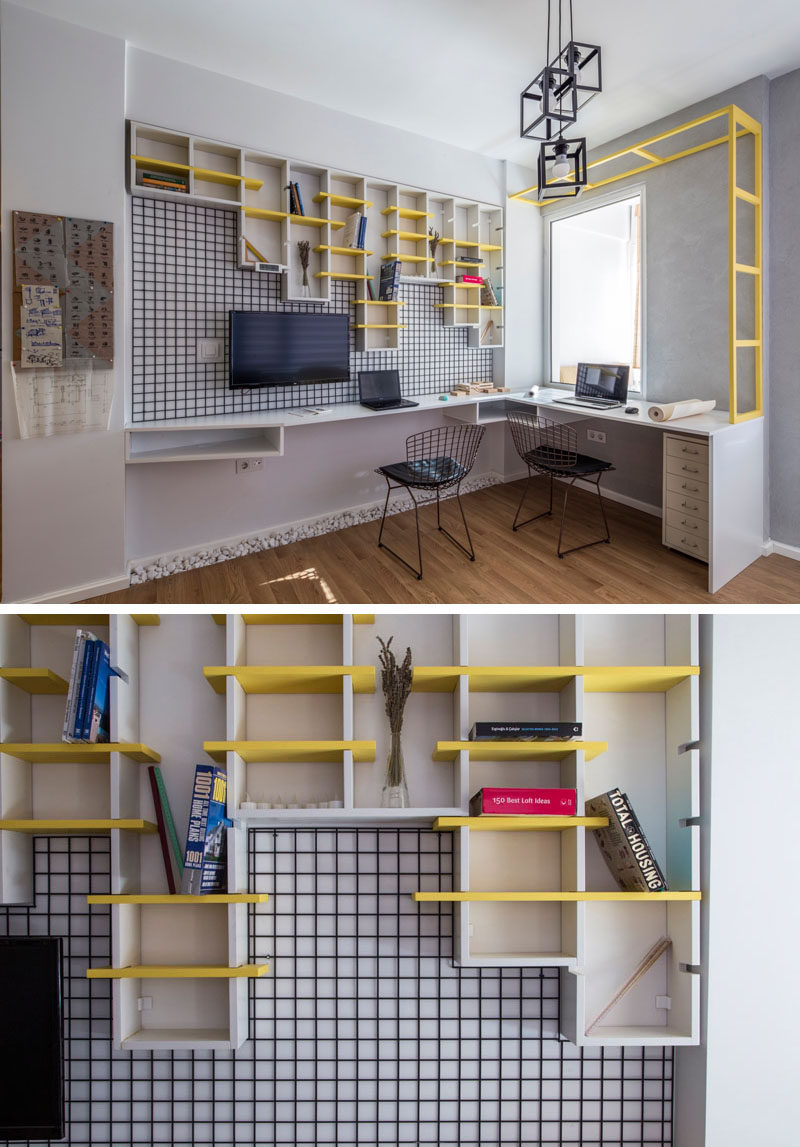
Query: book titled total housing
x=525, y=730
x=523, y=802
x=624, y=846
x=204, y=865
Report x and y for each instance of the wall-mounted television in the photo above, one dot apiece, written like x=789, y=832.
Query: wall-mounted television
x=31, y=1051
x=278, y=348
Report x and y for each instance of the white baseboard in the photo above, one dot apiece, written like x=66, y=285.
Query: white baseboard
x=80, y=592
x=785, y=551
x=165, y=565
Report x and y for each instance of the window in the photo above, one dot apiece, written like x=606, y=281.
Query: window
x=596, y=288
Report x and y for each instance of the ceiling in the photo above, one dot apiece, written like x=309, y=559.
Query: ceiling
x=452, y=70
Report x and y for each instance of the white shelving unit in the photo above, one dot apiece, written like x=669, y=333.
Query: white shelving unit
x=292, y=706
x=398, y=222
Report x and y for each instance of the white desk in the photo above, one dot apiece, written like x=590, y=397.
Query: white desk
x=735, y=475
x=736, y=503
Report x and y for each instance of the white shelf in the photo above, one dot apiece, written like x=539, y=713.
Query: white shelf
x=205, y=443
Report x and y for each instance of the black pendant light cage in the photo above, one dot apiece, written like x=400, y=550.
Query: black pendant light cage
x=566, y=84
x=565, y=186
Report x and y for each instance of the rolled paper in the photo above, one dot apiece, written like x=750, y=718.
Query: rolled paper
x=684, y=409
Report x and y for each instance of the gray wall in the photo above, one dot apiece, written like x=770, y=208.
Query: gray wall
x=784, y=344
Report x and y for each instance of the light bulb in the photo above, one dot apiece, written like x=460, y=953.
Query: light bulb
x=561, y=164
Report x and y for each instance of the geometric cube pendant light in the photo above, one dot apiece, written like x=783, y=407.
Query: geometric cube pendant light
x=561, y=168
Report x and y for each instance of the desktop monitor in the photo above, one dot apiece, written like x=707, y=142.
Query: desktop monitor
x=598, y=381
x=280, y=348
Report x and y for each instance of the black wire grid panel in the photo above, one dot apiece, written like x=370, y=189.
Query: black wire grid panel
x=365, y=1033
x=184, y=280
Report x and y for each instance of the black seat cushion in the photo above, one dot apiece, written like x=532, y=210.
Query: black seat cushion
x=423, y=472
x=553, y=460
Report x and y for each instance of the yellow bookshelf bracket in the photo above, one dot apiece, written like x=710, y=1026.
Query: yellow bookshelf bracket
x=517, y=750
x=292, y=678
x=341, y=200
x=146, y=618
x=314, y=752
x=58, y=752
x=178, y=972
x=95, y=827
x=39, y=681
x=181, y=898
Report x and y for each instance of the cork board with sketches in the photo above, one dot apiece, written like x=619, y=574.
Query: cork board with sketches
x=77, y=257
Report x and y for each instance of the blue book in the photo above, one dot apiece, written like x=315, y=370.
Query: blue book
x=91, y=682
x=362, y=232
x=298, y=198
x=86, y=669
x=204, y=863
x=98, y=708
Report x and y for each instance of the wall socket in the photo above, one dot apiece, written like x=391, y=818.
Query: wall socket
x=248, y=465
x=596, y=435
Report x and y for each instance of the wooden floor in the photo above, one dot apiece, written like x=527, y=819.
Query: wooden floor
x=347, y=567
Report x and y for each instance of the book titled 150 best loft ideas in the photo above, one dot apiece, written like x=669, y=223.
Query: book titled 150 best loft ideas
x=523, y=802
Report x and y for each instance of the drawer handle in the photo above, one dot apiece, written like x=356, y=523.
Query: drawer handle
x=686, y=450
x=688, y=542
x=689, y=470
x=691, y=489
x=689, y=525
x=690, y=506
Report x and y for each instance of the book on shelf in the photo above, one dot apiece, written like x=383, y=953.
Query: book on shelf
x=523, y=802
x=486, y=333
x=97, y=720
x=204, y=860
x=352, y=230
x=298, y=198
x=475, y=260
x=87, y=712
x=488, y=296
x=525, y=730
x=476, y=280
x=370, y=290
x=390, y=280
x=293, y=210
x=169, y=823
x=164, y=180
x=163, y=836
x=73, y=689
x=623, y=844
x=362, y=232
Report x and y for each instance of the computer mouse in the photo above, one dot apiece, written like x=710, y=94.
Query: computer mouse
x=631, y=409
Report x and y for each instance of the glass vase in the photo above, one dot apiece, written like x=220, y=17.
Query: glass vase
x=395, y=788
x=304, y=289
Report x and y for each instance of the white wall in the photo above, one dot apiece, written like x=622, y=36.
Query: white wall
x=751, y=791
x=62, y=103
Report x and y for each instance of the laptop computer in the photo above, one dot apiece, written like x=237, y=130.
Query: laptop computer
x=380, y=390
x=597, y=386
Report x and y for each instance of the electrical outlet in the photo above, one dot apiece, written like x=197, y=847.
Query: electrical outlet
x=249, y=465
x=596, y=435
x=209, y=350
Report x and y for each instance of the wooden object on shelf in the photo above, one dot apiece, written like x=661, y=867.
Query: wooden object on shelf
x=641, y=969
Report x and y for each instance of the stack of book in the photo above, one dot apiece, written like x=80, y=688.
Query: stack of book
x=165, y=181
x=86, y=717
x=488, y=296
x=295, y=199
x=624, y=846
x=354, y=231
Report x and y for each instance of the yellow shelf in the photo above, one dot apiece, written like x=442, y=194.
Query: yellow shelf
x=60, y=752
x=342, y=250
x=265, y=213
x=341, y=200
x=517, y=750
x=518, y=823
x=303, y=618
x=77, y=619
x=267, y=752
x=407, y=212
x=458, y=263
x=39, y=681
x=204, y=173
x=377, y=303
x=405, y=258
x=408, y=236
x=457, y=306
x=177, y=972
x=491, y=307
x=78, y=827
x=292, y=678
x=146, y=618
x=466, y=286
x=463, y=242
x=339, y=275
x=486, y=246
x=378, y=327
x=312, y=221
x=552, y=679
x=567, y=897
x=181, y=898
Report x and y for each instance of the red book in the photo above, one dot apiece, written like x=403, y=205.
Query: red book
x=523, y=802
x=470, y=279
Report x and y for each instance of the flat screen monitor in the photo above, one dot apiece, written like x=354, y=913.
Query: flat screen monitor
x=277, y=348
x=598, y=381
x=31, y=1052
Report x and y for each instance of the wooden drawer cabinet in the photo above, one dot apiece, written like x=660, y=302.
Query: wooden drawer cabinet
x=686, y=501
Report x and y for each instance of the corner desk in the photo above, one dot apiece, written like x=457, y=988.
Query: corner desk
x=732, y=462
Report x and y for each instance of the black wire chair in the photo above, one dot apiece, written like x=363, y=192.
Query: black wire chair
x=436, y=460
x=548, y=447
